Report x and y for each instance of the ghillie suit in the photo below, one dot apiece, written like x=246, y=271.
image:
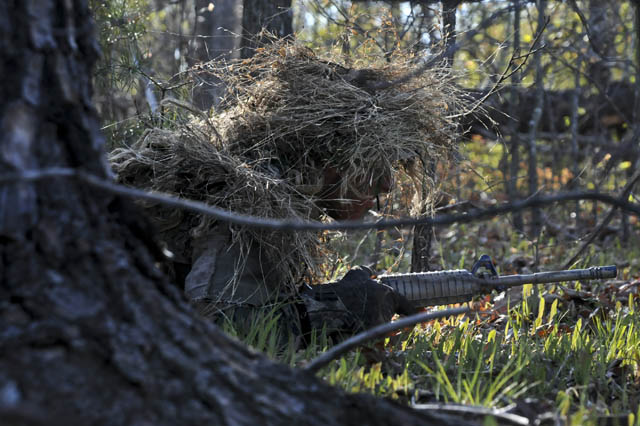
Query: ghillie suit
x=294, y=137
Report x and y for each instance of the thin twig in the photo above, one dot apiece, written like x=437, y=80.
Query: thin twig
x=474, y=410
x=623, y=196
x=506, y=74
x=468, y=36
x=377, y=332
x=307, y=225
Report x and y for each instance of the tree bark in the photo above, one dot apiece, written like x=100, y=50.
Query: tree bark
x=90, y=331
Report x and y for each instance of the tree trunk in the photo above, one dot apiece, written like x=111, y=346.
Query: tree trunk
x=274, y=16
x=423, y=234
x=514, y=143
x=90, y=330
x=534, y=122
x=449, y=9
x=217, y=23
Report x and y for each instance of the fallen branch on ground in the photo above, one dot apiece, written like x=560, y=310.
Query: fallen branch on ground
x=376, y=333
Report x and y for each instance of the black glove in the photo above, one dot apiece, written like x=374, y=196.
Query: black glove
x=353, y=304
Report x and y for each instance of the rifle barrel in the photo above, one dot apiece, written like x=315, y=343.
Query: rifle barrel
x=592, y=273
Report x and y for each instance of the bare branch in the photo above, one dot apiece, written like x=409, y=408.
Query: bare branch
x=306, y=225
x=376, y=333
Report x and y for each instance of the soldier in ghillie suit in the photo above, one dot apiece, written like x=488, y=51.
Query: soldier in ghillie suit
x=295, y=137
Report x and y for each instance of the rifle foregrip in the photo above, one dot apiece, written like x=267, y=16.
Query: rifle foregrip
x=434, y=288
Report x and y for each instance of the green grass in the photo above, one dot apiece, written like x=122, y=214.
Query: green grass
x=571, y=357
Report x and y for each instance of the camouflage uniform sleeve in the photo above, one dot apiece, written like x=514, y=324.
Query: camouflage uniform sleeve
x=197, y=282
x=222, y=273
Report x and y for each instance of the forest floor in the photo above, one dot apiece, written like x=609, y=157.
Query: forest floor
x=567, y=351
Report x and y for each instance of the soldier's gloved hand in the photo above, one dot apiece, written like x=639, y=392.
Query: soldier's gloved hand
x=353, y=304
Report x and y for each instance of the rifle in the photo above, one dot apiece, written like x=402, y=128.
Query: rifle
x=457, y=286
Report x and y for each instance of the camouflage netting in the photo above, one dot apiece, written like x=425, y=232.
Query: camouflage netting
x=287, y=116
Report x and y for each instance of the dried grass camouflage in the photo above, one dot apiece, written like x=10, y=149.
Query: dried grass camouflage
x=288, y=115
